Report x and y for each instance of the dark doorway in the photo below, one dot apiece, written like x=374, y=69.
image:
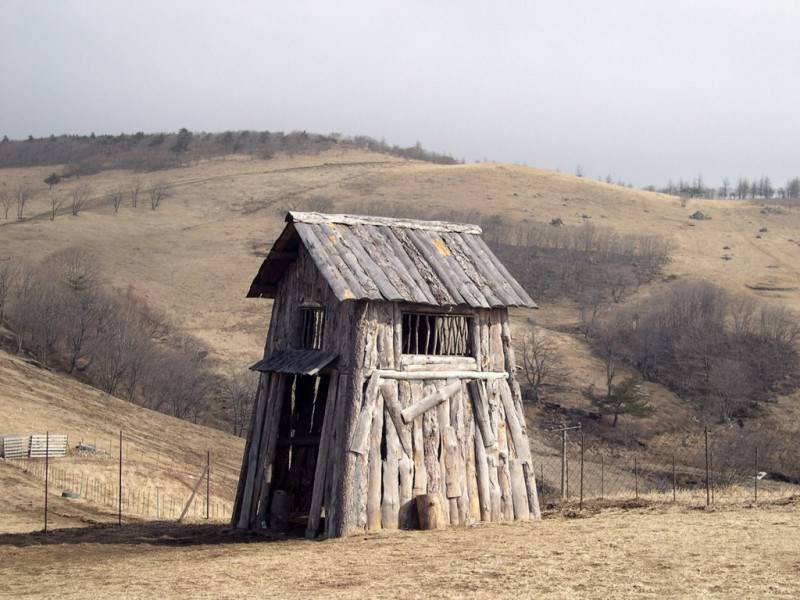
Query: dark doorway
x=298, y=445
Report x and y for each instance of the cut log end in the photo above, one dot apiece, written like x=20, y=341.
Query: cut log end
x=429, y=508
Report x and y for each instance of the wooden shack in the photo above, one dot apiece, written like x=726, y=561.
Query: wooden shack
x=387, y=394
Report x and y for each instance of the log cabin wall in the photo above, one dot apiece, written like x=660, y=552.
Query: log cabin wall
x=470, y=448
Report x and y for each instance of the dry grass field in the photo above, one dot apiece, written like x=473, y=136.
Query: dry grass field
x=636, y=551
x=194, y=258
x=159, y=452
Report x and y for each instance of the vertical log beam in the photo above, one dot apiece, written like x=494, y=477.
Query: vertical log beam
x=267, y=451
x=321, y=471
x=390, y=503
x=375, y=476
x=519, y=494
x=409, y=391
x=237, y=503
x=243, y=518
x=482, y=475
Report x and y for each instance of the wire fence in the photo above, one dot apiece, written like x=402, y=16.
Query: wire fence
x=133, y=484
x=698, y=467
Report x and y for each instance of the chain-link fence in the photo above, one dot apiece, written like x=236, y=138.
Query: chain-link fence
x=702, y=466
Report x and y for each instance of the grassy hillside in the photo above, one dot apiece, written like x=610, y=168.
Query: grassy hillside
x=158, y=452
x=195, y=256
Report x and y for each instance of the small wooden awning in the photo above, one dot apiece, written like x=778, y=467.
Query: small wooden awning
x=298, y=362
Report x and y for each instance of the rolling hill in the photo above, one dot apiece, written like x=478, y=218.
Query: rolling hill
x=195, y=256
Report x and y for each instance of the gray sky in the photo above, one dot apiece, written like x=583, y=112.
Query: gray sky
x=642, y=90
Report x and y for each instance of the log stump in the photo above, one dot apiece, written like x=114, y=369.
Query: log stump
x=429, y=508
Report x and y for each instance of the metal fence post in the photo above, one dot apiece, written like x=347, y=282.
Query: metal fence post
x=119, y=506
x=636, y=475
x=602, y=476
x=708, y=488
x=208, y=481
x=563, y=464
x=755, y=480
x=541, y=479
x=674, y=482
x=580, y=503
x=46, y=475
x=711, y=471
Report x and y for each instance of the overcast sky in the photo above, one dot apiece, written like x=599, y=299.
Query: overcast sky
x=645, y=91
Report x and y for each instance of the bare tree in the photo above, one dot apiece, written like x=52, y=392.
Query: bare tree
x=134, y=189
x=9, y=271
x=239, y=392
x=116, y=199
x=79, y=196
x=22, y=195
x=541, y=362
x=55, y=204
x=158, y=192
x=5, y=202
x=36, y=314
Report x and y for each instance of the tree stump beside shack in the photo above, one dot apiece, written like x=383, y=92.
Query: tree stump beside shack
x=387, y=394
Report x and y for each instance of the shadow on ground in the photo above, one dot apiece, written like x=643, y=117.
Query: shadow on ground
x=158, y=533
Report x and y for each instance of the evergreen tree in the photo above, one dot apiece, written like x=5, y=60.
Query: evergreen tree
x=624, y=398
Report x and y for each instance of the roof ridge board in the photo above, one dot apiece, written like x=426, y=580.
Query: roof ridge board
x=345, y=219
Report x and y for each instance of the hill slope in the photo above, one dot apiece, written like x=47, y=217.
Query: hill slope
x=195, y=256
x=159, y=452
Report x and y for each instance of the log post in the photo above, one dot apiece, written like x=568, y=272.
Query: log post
x=430, y=511
x=480, y=411
x=321, y=472
x=519, y=493
x=390, y=502
x=375, y=464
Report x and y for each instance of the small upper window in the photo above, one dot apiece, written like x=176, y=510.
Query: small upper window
x=441, y=335
x=312, y=319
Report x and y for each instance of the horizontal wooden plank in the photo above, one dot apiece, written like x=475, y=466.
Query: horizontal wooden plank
x=450, y=374
x=316, y=218
x=425, y=362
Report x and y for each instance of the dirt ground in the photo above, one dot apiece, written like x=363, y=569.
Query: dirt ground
x=643, y=551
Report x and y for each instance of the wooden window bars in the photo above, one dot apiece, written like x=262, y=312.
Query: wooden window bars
x=312, y=320
x=438, y=335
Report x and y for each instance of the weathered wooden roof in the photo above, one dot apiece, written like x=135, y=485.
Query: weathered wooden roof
x=301, y=362
x=376, y=258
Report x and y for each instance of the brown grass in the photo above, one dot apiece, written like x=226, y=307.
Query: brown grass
x=644, y=551
x=161, y=454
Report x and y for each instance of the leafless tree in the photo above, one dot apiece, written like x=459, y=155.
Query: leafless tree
x=55, y=204
x=158, y=192
x=134, y=189
x=116, y=196
x=79, y=195
x=118, y=344
x=36, y=314
x=22, y=195
x=239, y=391
x=541, y=362
x=5, y=201
x=591, y=304
x=9, y=270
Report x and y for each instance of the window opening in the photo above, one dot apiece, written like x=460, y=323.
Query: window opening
x=439, y=335
x=312, y=320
